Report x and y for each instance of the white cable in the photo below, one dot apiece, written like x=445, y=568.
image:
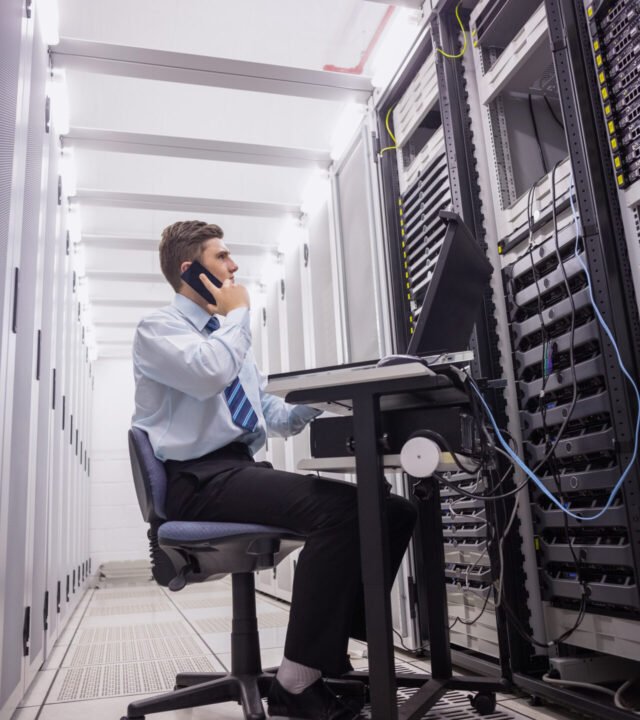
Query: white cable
x=617, y=698
x=576, y=683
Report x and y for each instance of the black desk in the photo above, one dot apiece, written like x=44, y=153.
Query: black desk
x=367, y=395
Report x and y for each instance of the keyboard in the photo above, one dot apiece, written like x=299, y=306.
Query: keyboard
x=340, y=375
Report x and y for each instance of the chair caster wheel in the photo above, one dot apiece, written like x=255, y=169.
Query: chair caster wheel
x=483, y=703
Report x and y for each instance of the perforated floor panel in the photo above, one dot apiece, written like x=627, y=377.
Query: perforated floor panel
x=121, y=633
x=453, y=706
x=112, y=656
x=218, y=624
x=119, y=608
x=98, y=681
x=123, y=652
x=203, y=600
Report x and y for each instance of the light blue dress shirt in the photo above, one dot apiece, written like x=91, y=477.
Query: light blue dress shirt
x=181, y=371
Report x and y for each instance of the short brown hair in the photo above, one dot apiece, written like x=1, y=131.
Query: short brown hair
x=183, y=242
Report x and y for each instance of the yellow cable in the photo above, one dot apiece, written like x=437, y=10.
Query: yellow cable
x=464, y=34
x=391, y=135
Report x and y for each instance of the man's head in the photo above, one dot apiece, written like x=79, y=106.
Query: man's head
x=184, y=242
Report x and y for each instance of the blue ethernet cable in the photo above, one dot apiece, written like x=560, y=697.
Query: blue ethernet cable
x=520, y=463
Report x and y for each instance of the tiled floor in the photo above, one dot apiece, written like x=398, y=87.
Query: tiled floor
x=126, y=642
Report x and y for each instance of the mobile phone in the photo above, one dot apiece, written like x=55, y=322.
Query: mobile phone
x=192, y=277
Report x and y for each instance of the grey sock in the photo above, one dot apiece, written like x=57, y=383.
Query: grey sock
x=296, y=678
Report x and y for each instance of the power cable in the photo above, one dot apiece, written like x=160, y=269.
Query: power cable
x=553, y=113
x=391, y=135
x=545, y=169
x=464, y=34
x=617, y=698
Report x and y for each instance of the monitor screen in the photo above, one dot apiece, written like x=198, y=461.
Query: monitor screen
x=454, y=295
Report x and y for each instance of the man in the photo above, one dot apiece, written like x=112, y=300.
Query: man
x=201, y=400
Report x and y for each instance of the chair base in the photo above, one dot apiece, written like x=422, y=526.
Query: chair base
x=196, y=689
x=246, y=684
x=247, y=690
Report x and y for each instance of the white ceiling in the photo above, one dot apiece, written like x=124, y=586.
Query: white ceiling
x=119, y=270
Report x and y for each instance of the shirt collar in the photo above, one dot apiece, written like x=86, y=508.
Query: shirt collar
x=196, y=315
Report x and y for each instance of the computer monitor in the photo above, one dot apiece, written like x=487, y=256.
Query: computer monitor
x=454, y=296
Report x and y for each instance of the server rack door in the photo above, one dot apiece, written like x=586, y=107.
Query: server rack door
x=265, y=581
x=297, y=446
x=356, y=243
x=48, y=200
x=68, y=424
x=274, y=349
x=58, y=240
x=323, y=291
x=15, y=63
x=57, y=516
x=22, y=491
x=74, y=508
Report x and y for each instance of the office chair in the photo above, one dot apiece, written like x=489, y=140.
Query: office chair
x=184, y=552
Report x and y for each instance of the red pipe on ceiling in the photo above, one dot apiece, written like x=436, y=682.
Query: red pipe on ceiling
x=357, y=69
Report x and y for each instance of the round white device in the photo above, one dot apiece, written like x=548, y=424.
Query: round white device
x=420, y=457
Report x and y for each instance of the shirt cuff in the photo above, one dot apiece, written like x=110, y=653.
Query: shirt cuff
x=238, y=316
x=307, y=413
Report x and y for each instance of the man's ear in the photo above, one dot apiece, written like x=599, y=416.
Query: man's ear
x=185, y=266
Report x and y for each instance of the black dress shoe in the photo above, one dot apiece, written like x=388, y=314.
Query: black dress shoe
x=317, y=702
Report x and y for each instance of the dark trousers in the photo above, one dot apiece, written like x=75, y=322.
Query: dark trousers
x=327, y=604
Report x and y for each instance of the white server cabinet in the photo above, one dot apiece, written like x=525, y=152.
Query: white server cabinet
x=56, y=496
x=16, y=51
x=43, y=337
x=42, y=495
x=272, y=363
x=17, y=662
x=291, y=310
x=520, y=108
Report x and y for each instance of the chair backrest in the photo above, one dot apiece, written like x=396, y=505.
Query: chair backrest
x=149, y=476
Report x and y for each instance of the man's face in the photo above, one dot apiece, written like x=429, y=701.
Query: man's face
x=217, y=259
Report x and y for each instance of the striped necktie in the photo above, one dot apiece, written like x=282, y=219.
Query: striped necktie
x=242, y=414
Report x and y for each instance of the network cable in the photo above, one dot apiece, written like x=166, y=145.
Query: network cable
x=516, y=459
x=550, y=452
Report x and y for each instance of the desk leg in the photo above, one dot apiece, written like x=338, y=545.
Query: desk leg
x=432, y=556
x=375, y=557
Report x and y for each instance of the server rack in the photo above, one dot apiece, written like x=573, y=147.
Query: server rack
x=43, y=367
x=528, y=57
x=429, y=167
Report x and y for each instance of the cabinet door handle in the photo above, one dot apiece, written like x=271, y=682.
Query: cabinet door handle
x=16, y=283
x=38, y=351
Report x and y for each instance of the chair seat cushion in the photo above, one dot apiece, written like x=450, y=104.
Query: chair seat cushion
x=176, y=531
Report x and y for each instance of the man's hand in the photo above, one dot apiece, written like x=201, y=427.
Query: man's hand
x=229, y=296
